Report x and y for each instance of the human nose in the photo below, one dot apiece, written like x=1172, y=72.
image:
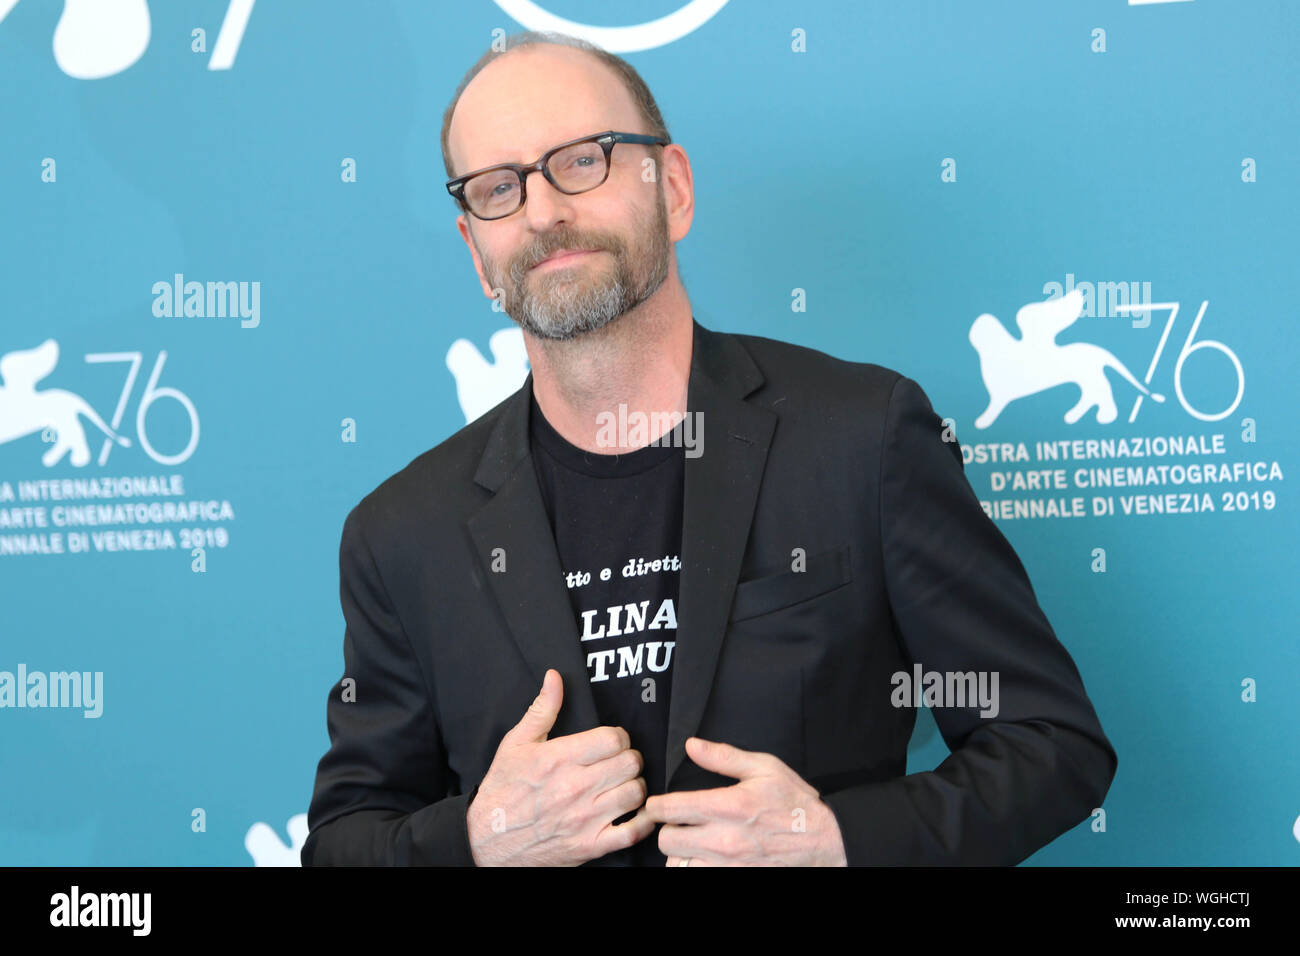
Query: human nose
x=545, y=205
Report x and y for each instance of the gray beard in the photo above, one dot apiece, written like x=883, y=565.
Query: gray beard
x=566, y=310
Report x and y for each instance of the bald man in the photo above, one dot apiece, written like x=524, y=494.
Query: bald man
x=515, y=596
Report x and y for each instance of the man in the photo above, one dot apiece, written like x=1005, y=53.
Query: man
x=683, y=643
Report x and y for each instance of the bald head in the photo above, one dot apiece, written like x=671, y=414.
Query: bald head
x=541, y=90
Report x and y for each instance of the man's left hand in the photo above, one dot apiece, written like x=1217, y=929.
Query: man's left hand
x=772, y=817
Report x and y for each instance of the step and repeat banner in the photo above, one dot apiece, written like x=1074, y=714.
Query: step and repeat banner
x=236, y=301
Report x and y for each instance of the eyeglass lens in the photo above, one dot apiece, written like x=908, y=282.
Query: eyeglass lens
x=575, y=169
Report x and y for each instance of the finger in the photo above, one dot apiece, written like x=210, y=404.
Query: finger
x=727, y=760
x=613, y=771
x=612, y=804
x=623, y=835
x=590, y=746
x=694, y=806
x=701, y=844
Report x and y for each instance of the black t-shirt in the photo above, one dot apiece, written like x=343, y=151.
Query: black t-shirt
x=620, y=516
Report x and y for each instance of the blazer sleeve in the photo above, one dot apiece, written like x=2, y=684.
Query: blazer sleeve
x=381, y=795
x=961, y=601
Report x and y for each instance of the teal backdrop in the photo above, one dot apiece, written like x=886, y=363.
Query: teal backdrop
x=225, y=234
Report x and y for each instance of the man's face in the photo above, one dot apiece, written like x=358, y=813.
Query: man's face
x=519, y=106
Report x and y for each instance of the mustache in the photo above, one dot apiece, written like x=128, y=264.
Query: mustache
x=542, y=249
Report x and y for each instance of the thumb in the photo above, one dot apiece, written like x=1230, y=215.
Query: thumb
x=540, y=716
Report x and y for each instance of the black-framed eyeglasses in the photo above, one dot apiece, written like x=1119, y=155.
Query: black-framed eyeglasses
x=573, y=167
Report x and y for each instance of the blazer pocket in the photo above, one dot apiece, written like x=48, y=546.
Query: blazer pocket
x=823, y=572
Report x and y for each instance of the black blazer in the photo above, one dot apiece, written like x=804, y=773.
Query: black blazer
x=845, y=460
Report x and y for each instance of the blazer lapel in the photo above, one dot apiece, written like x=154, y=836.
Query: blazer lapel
x=530, y=590
x=720, y=494
x=721, y=489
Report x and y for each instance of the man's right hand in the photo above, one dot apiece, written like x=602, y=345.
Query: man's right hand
x=553, y=802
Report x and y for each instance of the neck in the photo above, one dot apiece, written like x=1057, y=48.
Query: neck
x=641, y=360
